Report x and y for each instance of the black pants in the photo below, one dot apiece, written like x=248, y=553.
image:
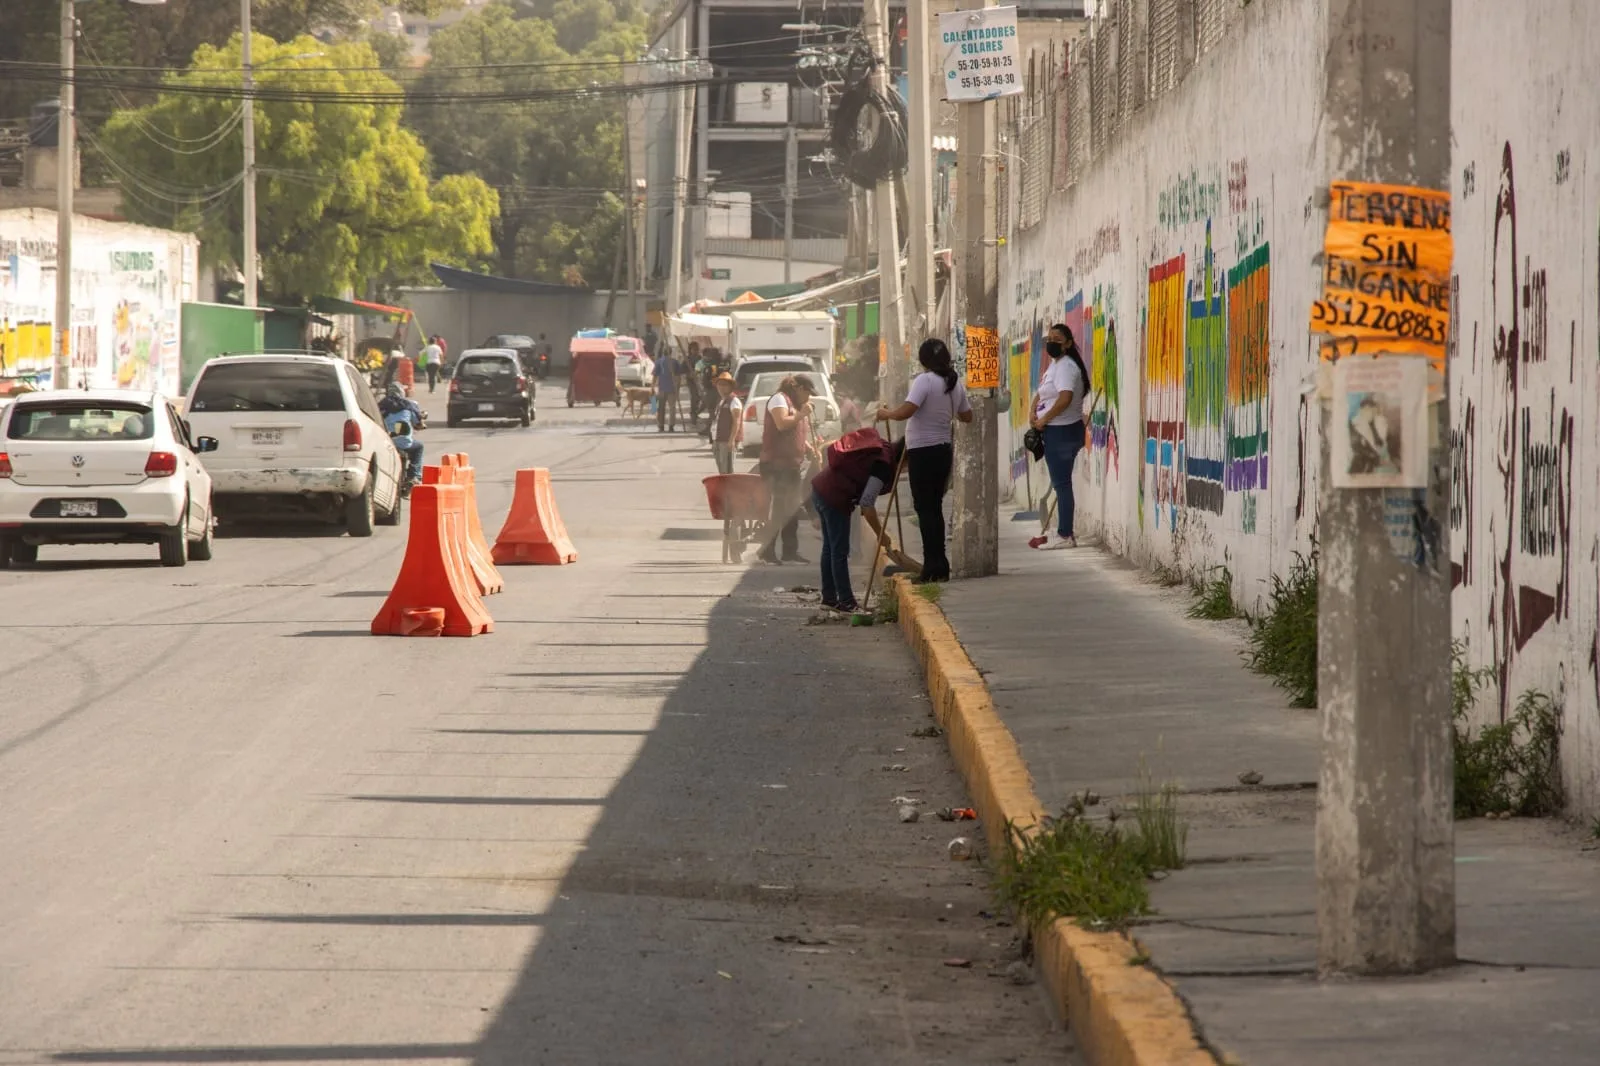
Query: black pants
x=433, y=376
x=928, y=470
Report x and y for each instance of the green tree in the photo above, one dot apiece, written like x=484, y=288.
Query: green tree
x=556, y=163
x=344, y=197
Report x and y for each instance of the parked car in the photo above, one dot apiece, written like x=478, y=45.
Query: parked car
x=490, y=383
x=105, y=466
x=526, y=347
x=825, y=420
x=635, y=369
x=299, y=435
x=751, y=367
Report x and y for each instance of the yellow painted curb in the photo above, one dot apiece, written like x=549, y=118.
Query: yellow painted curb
x=1122, y=1013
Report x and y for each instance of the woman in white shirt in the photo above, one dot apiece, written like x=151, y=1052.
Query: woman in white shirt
x=936, y=401
x=1058, y=416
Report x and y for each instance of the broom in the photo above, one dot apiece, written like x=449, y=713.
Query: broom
x=863, y=617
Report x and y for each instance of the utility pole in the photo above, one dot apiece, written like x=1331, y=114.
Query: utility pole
x=975, y=533
x=247, y=129
x=897, y=378
x=1385, y=835
x=680, y=169
x=791, y=167
x=66, y=178
x=627, y=210
x=919, y=176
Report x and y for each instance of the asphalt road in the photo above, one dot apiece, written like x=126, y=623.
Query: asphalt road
x=646, y=820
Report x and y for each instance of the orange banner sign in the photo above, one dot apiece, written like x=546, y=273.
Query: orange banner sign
x=983, y=358
x=1386, y=271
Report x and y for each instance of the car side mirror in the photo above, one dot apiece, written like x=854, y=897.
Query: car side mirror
x=205, y=444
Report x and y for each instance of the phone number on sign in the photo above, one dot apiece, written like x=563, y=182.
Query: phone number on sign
x=986, y=63
x=1378, y=318
x=976, y=81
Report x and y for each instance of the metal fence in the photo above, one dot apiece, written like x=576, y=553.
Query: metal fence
x=1081, y=96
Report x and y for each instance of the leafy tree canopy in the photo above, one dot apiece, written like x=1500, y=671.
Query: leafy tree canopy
x=343, y=191
x=556, y=163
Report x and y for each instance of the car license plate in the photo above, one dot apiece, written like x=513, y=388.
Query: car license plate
x=80, y=508
x=266, y=436
x=486, y=407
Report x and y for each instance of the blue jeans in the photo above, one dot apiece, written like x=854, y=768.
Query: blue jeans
x=1061, y=447
x=836, y=589
x=413, y=455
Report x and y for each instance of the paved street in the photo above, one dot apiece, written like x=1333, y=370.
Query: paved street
x=647, y=820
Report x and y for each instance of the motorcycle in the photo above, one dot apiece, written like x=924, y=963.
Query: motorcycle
x=404, y=428
x=542, y=366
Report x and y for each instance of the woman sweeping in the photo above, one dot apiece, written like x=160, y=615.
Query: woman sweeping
x=857, y=468
x=785, y=448
x=1058, y=416
x=935, y=402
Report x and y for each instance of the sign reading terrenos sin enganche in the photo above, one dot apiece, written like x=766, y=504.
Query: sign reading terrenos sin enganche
x=981, y=56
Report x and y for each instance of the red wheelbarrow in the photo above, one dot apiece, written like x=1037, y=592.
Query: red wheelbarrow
x=741, y=503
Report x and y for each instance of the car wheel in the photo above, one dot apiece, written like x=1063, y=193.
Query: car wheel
x=24, y=554
x=392, y=517
x=174, y=545
x=360, y=516
x=200, y=550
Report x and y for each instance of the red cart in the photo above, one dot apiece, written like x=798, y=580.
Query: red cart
x=593, y=376
x=741, y=503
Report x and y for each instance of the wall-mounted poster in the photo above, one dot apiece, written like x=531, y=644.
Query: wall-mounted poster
x=1380, y=422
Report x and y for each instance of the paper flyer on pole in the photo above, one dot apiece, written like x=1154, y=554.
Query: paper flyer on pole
x=1379, y=431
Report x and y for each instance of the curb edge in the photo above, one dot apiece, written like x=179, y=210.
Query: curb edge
x=1122, y=1014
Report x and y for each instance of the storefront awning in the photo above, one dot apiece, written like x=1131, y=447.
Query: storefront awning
x=332, y=305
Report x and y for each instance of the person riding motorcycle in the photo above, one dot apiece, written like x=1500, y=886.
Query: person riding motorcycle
x=402, y=417
x=541, y=361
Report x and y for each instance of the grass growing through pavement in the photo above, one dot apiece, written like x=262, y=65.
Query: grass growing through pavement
x=1283, y=641
x=1213, y=596
x=887, y=610
x=1510, y=768
x=1091, y=869
x=930, y=591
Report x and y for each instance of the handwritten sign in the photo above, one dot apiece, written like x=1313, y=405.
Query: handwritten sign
x=983, y=358
x=982, y=59
x=1386, y=271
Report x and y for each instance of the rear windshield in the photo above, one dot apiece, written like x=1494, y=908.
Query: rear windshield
x=486, y=366
x=225, y=386
x=747, y=373
x=510, y=340
x=80, y=421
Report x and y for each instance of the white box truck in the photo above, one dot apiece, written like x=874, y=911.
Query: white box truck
x=781, y=340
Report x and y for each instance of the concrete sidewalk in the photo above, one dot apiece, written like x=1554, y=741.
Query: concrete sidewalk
x=1098, y=672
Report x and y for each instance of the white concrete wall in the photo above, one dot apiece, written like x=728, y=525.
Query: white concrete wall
x=1525, y=376
x=1220, y=175
x=1209, y=184
x=128, y=285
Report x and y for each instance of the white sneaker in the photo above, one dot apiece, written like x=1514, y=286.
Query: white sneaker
x=1057, y=541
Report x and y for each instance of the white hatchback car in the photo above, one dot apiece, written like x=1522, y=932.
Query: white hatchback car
x=298, y=433
x=825, y=409
x=104, y=466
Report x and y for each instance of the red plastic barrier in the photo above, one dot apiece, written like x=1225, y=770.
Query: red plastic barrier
x=533, y=532
x=448, y=472
x=434, y=574
x=478, y=553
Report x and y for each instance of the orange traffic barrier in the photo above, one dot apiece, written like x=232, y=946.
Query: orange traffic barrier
x=478, y=553
x=434, y=575
x=448, y=472
x=422, y=622
x=533, y=532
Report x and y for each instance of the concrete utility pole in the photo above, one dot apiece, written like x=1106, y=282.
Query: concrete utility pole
x=791, y=168
x=66, y=179
x=247, y=129
x=627, y=215
x=680, y=169
x=919, y=176
x=891, y=330
x=975, y=533
x=1385, y=836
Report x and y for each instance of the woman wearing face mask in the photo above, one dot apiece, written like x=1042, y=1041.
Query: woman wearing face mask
x=1058, y=416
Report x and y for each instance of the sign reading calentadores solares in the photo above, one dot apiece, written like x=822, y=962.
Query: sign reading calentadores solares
x=981, y=56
